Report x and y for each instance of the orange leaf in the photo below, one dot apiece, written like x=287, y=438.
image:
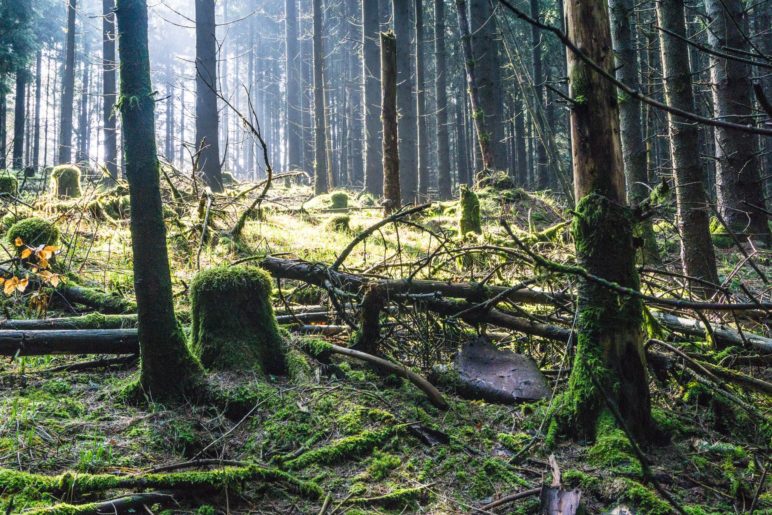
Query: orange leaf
x=10, y=285
x=54, y=280
x=43, y=262
x=22, y=284
x=18, y=241
x=26, y=253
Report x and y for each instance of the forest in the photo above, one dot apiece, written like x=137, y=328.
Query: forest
x=385, y=256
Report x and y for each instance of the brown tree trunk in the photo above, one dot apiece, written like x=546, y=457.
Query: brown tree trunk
x=68, y=89
x=207, y=117
x=609, y=372
x=391, y=186
x=321, y=171
x=444, y=182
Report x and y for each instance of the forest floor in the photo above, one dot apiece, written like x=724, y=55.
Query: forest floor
x=371, y=443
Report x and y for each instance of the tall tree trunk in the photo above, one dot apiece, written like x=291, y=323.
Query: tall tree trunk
x=540, y=168
x=444, y=182
x=83, y=125
x=609, y=365
x=408, y=125
x=622, y=17
x=294, y=122
x=321, y=172
x=3, y=135
x=520, y=146
x=391, y=171
x=740, y=189
x=462, y=158
x=423, y=135
x=108, y=90
x=19, y=117
x=169, y=140
x=38, y=100
x=207, y=118
x=370, y=72
x=168, y=371
x=68, y=89
x=697, y=256
x=483, y=132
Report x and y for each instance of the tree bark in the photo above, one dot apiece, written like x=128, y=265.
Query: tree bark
x=38, y=99
x=698, y=258
x=444, y=183
x=321, y=165
x=19, y=117
x=484, y=133
x=371, y=77
x=423, y=135
x=72, y=342
x=207, y=117
x=68, y=89
x=391, y=164
x=168, y=370
x=292, y=57
x=540, y=169
x=109, y=65
x=740, y=188
x=609, y=364
x=84, y=130
x=408, y=124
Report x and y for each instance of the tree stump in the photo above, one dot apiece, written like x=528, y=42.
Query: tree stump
x=66, y=181
x=233, y=324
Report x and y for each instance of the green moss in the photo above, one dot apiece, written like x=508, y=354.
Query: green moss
x=393, y=499
x=11, y=217
x=9, y=184
x=469, y=220
x=612, y=449
x=513, y=442
x=339, y=223
x=317, y=347
x=720, y=236
x=298, y=368
x=232, y=320
x=66, y=181
x=339, y=200
x=345, y=448
x=382, y=464
x=33, y=232
x=573, y=478
x=646, y=500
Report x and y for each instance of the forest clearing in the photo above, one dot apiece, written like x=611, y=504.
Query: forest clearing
x=385, y=256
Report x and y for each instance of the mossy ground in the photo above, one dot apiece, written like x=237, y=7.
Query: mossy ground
x=350, y=433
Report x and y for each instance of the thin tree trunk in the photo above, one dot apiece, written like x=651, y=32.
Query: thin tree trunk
x=423, y=143
x=83, y=125
x=68, y=89
x=609, y=365
x=483, y=132
x=3, y=135
x=740, y=189
x=462, y=157
x=108, y=90
x=391, y=171
x=441, y=94
x=38, y=99
x=697, y=256
x=408, y=149
x=371, y=71
x=168, y=371
x=294, y=122
x=321, y=179
x=540, y=169
x=19, y=117
x=207, y=117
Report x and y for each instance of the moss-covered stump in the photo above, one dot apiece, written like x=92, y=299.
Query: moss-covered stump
x=66, y=181
x=469, y=220
x=9, y=184
x=233, y=324
x=339, y=223
x=339, y=200
x=33, y=232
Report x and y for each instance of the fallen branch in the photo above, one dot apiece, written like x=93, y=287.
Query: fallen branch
x=127, y=504
x=87, y=341
x=511, y=498
x=721, y=333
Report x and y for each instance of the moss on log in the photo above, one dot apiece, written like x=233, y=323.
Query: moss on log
x=233, y=324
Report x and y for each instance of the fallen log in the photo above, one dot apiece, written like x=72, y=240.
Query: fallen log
x=721, y=333
x=72, y=342
x=90, y=321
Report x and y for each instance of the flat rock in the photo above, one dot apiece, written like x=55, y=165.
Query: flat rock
x=486, y=372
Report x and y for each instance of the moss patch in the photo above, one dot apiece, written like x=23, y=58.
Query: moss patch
x=469, y=220
x=33, y=232
x=66, y=181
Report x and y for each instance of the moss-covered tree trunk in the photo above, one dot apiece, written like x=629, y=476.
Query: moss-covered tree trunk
x=609, y=365
x=168, y=369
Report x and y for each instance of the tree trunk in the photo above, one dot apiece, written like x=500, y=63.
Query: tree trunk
x=38, y=99
x=3, y=136
x=444, y=182
x=484, y=133
x=68, y=89
x=371, y=71
x=423, y=134
x=84, y=130
x=609, y=365
x=168, y=370
x=108, y=90
x=462, y=158
x=19, y=117
x=540, y=169
x=739, y=186
x=408, y=125
x=294, y=122
x=321, y=172
x=697, y=256
x=207, y=118
x=391, y=170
